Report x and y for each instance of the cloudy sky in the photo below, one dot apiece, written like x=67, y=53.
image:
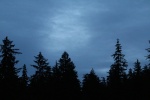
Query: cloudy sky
x=86, y=29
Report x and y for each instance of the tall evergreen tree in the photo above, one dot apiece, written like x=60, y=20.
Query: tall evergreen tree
x=91, y=86
x=146, y=69
x=117, y=70
x=137, y=70
x=39, y=81
x=41, y=65
x=8, y=70
x=137, y=74
x=56, y=71
x=70, y=84
x=130, y=74
x=56, y=79
x=24, y=78
x=148, y=56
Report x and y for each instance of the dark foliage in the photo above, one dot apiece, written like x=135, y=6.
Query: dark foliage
x=117, y=73
x=8, y=72
x=61, y=81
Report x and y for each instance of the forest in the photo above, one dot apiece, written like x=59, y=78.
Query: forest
x=61, y=81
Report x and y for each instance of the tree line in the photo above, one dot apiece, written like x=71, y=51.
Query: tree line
x=61, y=81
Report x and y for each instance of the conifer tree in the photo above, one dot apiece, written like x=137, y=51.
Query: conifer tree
x=148, y=56
x=91, y=86
x=146, y=69
x=117, y=70
x=130, y=74
x=8, y=71
x=137, y=74
x=39, y=81
x=41, y=65
x=24, y=77
x=56, y=73
x=137, y=69
x=70, y=84
x=56, y=81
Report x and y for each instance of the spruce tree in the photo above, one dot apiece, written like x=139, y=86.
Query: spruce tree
x=41, y=65
x=137, y=75
x=39, y=81
x=118, y=68
x=91, y=86
x=148, y=56
x=56, y=73
x=130, y=74
x=137, y=70
x=146, y=74
x=24, y=78
x=70, y=84
x=8, y=71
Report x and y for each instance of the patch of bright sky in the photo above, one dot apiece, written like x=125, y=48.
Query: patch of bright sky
x=68, y=31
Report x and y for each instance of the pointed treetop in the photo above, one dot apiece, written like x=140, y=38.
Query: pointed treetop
x=92, y=71
x=117, y=40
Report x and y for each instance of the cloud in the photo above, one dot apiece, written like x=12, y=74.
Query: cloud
x=86, y=29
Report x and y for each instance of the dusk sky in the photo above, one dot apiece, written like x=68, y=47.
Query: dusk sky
x=86, y=29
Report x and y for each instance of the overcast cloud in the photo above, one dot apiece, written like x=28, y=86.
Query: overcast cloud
x=86, y=29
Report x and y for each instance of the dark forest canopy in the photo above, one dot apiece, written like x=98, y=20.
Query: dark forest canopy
x=61, y=81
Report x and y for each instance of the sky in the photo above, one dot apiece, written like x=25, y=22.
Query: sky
x=86, y=29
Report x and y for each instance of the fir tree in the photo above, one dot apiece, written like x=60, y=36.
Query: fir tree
x=130, y=74
x=39, y=81
x=41, y=65
x=137, y=70
x=117, y=70
x=91, y=86
x=148, y=56
x=24, y=78
x=70, y=84
x=8, y=71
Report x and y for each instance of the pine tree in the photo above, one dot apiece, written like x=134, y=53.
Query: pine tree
x=117, y=70
x=24, y=78
x=146, y=74
x=137, y=75
x=8, y=70
x=91, y=86
x=130, y=74
x=56, y=72
x=56, y=81
x=41, y=65
x=39, y=81
x=137, y=70
x=70, y=84
x=148, y=56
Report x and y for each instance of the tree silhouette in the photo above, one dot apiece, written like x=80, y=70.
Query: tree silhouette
x=117, y=70
x=40, y=79
x=61, y=81
x=117, y=77
x=148, y=50
x=91, y=86
x=70, y=84
x=24, y=80
x=8, y=70
x=56, y=80
x=137, y=72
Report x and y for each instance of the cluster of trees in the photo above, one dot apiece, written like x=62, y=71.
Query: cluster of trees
x=61, y=81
